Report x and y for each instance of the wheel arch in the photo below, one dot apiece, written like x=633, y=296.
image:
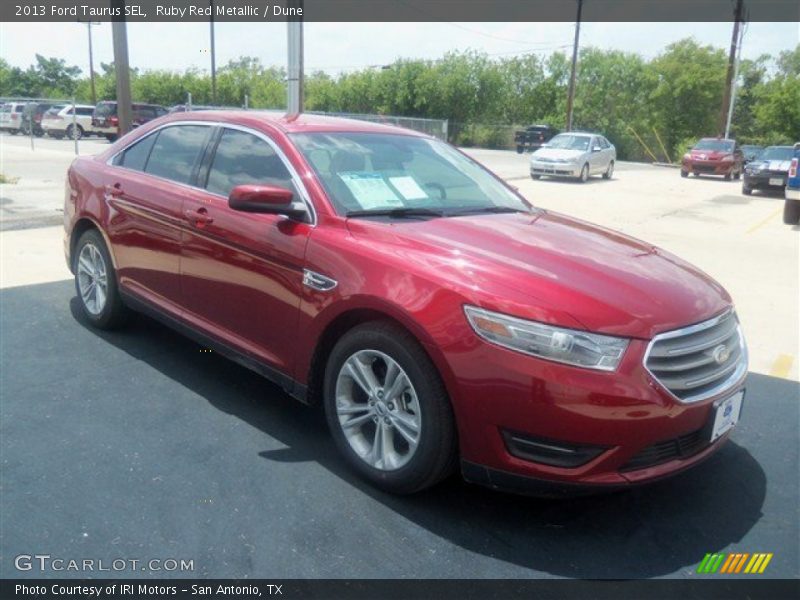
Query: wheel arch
x=81, y=226
x=353, y=316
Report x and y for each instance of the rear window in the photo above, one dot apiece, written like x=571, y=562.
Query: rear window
x=176, y=152
x=135, y=157
x=106, y=109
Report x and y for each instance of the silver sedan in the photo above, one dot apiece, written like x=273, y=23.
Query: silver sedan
x=578, y=155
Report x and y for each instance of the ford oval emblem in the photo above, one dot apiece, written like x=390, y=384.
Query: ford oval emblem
x=721, y=354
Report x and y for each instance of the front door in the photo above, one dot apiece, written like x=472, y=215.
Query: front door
x=242, y=273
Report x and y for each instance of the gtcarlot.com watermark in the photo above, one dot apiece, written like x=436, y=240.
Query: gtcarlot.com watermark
x=45, y=563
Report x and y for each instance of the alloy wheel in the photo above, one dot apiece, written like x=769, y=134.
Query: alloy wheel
x=378, y=410
x=92, y=279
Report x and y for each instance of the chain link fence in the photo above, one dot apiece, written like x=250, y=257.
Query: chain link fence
x=25, y=116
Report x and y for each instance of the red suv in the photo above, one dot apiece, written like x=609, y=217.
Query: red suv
x=714, y=156
x=438, y=317
x=106, y=121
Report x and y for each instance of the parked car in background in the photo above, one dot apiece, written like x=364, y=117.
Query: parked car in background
x=576, y=155
x=106, y=120
x=32, y=114
x=769, y=171
x=11, y=117
x=714, y=156
x=791, y=207
x=439, y=318
x=58, y=121
x=531, y=138
x=751, y=152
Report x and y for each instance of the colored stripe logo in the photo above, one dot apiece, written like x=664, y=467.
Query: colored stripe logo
x=735, y=562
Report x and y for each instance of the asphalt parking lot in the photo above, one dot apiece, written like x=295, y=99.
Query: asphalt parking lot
x=138, y=445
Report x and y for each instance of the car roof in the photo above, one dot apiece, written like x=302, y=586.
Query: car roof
x=302, y=123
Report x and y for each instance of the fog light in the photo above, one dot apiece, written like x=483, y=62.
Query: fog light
x=549, y=452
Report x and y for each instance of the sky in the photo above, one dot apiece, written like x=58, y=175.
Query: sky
x=343, y=47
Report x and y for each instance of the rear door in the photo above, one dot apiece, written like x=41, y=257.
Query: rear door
x=242, y=273
x=146, y=191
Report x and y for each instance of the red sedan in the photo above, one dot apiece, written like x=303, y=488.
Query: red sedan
x=714, y=156
x=439, y=318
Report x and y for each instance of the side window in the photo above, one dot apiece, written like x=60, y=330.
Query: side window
x=135, y=156
x=85, y=111
x=245, y=158
x=176, y=151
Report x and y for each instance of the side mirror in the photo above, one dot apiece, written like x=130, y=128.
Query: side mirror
x=544, y=145
x=266, y=199
x=596, y=148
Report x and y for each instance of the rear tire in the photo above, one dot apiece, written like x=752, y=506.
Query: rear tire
x=791, y=212
x=536, y=176
x=520, y=149
x=684, y=173
x=96, y=283
x=74, y=133
x=737, y=175
x=727, y=176
x=416, y=447
x=609, y=171
x=747, y=191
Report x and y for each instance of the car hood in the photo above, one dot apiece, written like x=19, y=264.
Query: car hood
x=770, y=165
x=551, y=264
x=709, y=154
x=557, y=153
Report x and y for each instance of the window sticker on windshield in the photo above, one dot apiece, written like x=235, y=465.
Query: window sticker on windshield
x=408, y=188
x=370, y=190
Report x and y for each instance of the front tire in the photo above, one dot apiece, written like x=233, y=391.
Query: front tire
x=684, y=173
x=96, y=283
x=388, y=410
x=584, y=176
x=747, y=191
x=791, y=212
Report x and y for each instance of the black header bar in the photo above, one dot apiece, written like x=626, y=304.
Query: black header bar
x=396, y=10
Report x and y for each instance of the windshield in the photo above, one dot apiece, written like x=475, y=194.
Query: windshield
x=378, y=172
x=569, y=142
x=777, y=153
x=715, y=145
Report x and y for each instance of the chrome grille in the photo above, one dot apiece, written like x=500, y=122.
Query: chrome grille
x=699, y=361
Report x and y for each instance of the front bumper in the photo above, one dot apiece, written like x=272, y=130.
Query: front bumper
x=762, y=180
x=555, y=169
x=626, y=413
x=709, y=167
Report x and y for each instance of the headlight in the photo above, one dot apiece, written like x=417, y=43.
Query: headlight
x=568, y=346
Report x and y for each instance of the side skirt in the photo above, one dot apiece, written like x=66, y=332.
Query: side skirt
x=295, y=389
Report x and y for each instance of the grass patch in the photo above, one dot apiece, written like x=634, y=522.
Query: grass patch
x=7, y=179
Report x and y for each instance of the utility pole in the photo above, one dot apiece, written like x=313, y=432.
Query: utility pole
x=726, y=98
x=91, y=61
x=735, y=79
x=294, y=88
x=571, y=93
x=213, y=58
x=119, y=31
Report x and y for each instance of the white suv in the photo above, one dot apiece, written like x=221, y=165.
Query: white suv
x=58, y=122
x=11, y=117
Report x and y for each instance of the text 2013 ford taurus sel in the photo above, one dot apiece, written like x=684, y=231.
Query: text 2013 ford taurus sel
x=439, y=318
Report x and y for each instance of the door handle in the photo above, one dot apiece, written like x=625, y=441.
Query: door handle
x=199, y=217
x=114, y=190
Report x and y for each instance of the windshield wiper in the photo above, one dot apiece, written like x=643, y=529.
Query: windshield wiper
x=396, y=213
x=490, y=209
